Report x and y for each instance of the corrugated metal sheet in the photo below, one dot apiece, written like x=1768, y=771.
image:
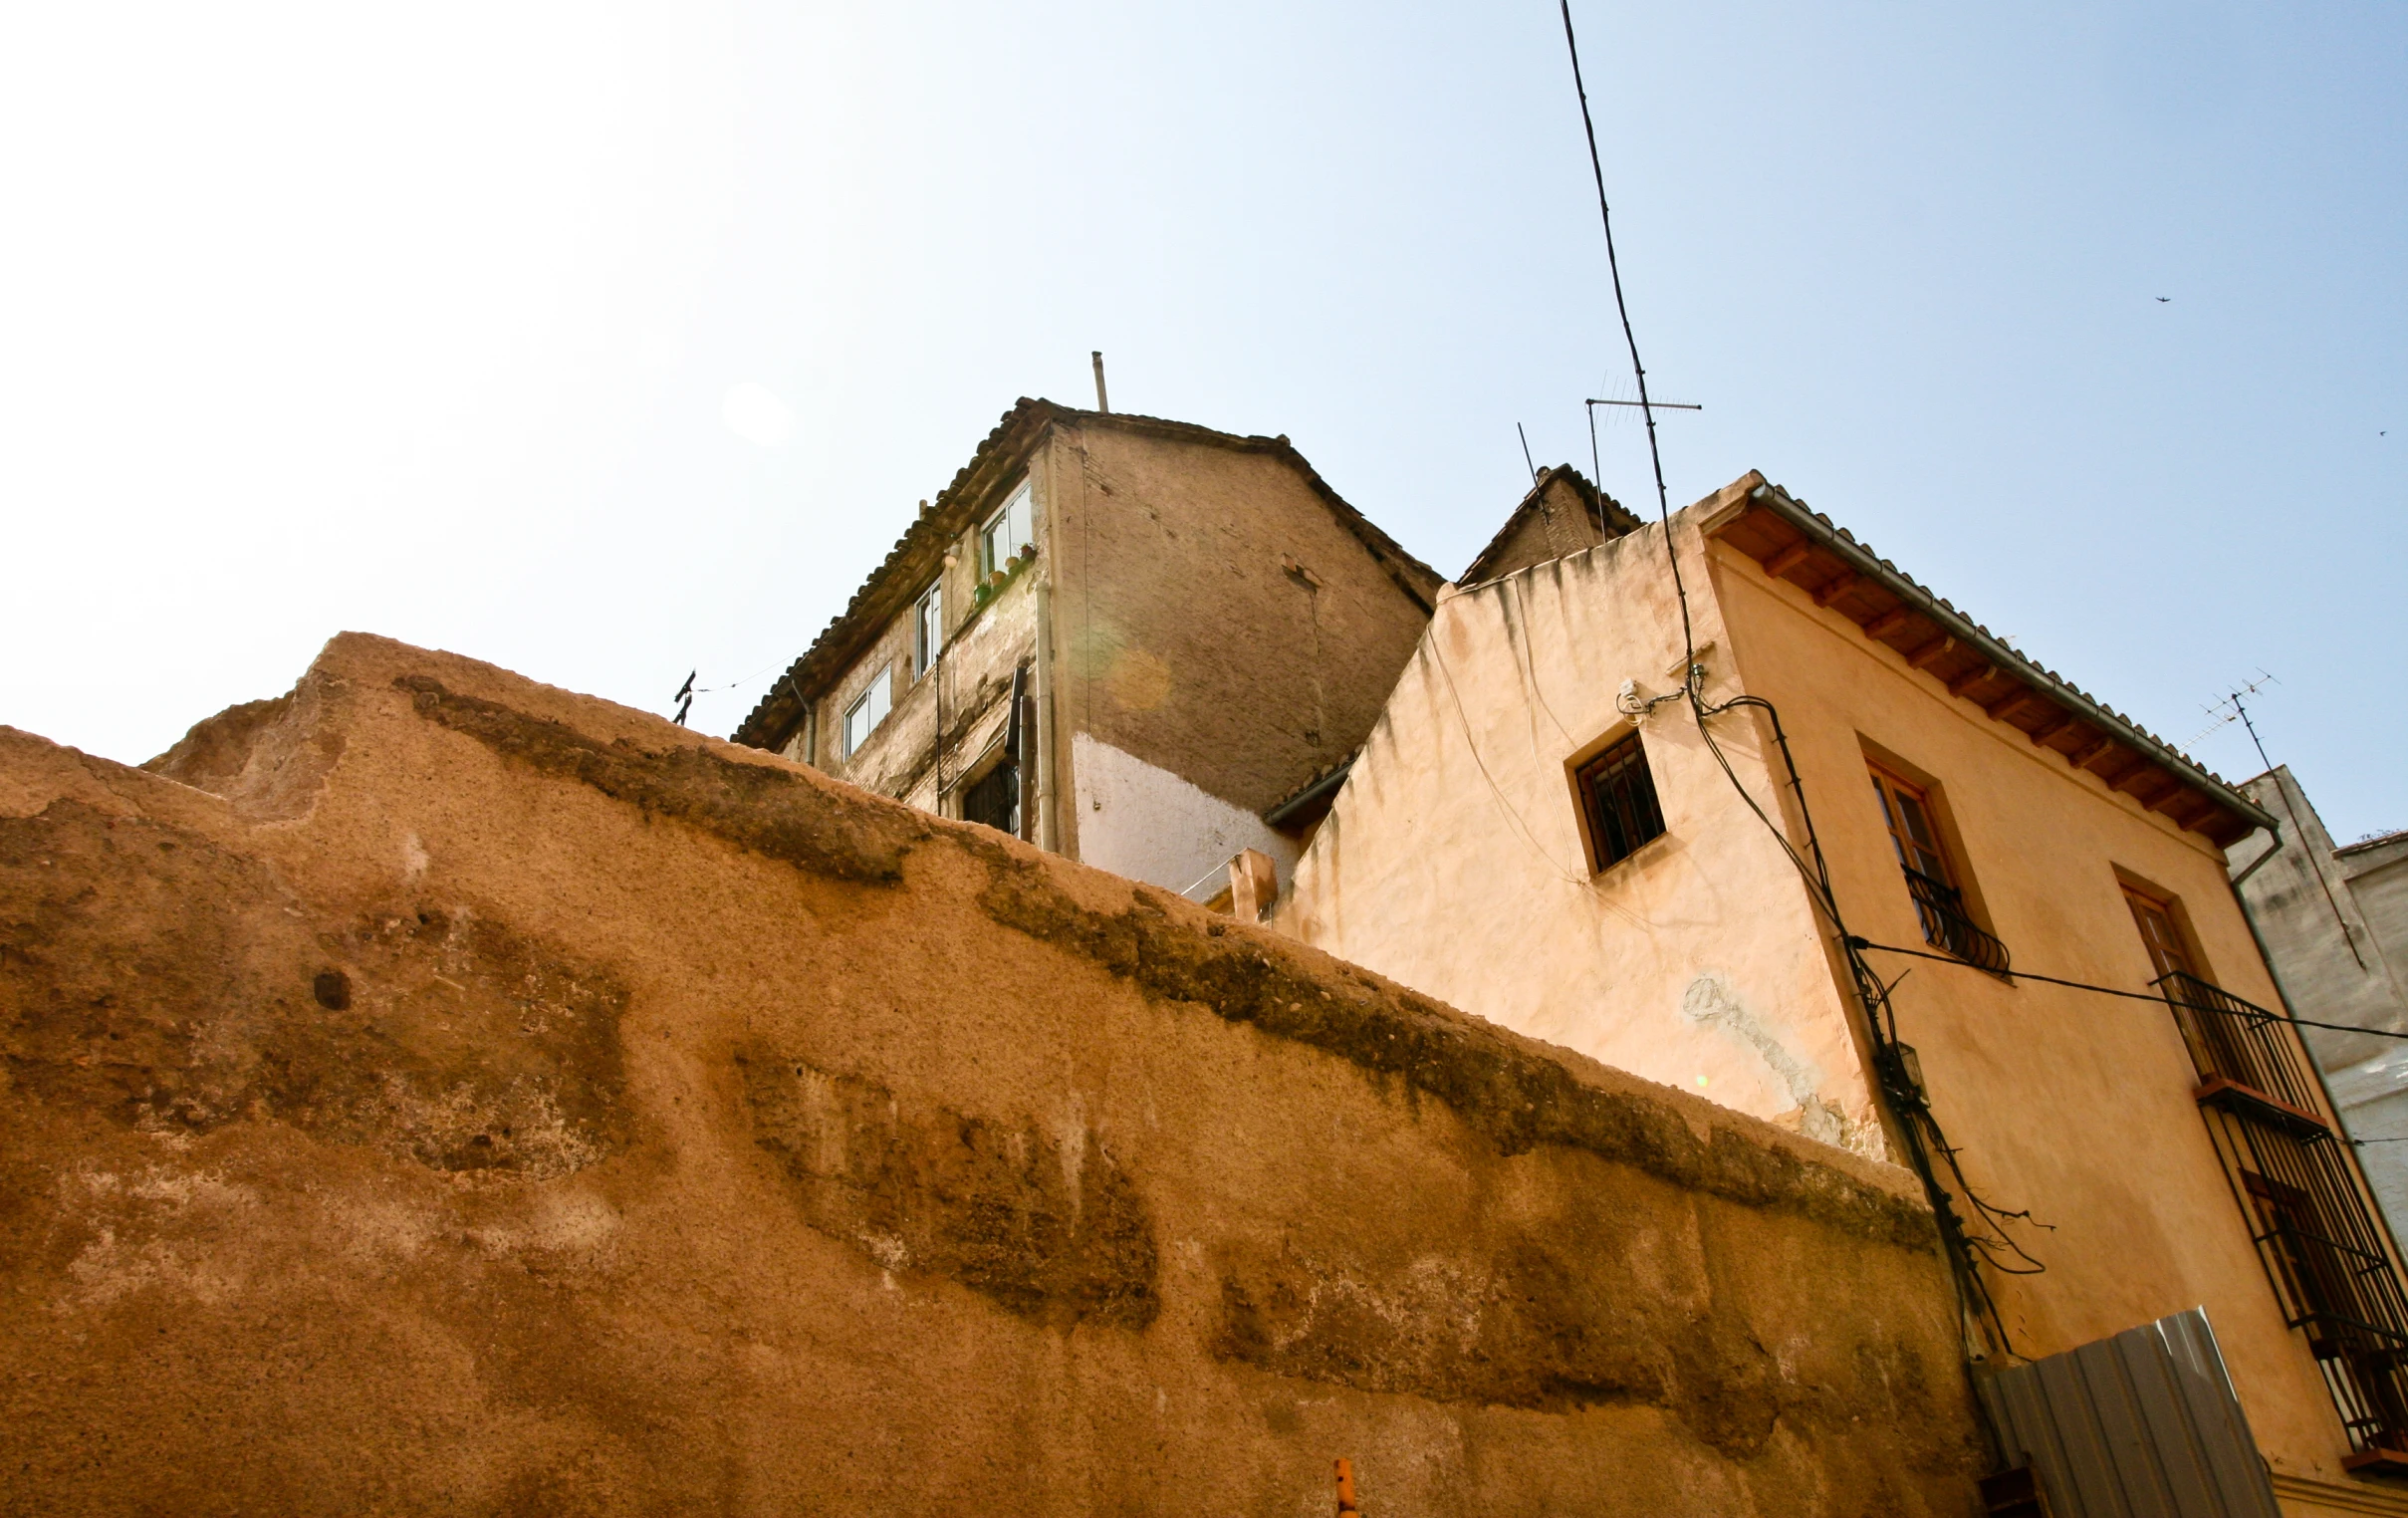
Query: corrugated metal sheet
x=2140, y=1425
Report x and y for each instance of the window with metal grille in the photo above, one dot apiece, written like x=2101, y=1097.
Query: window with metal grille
x=2301, y=1190
x=1617, y=798
x=1939, y=901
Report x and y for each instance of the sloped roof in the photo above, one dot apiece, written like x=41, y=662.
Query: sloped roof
x=1790, y=541
x=1605, y=514
x=918, y=553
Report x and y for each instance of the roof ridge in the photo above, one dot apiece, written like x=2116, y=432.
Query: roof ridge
x=1605, y=506
x=1025, y=418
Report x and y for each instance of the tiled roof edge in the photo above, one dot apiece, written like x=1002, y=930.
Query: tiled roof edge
x=1010, y=438
x=1966, y=630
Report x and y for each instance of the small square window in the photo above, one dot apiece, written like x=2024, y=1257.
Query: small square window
x=868, y=710
x=1617, y=796
x=1006, y=533
x=928, y=630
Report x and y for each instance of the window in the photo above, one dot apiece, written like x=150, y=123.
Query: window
x=2225, y=1040
x=1939, y=901
x=928, y=630
x=1006, y=533
x=2155, y=920
x=993, y=799
x=1617, y=799
x=867, y=710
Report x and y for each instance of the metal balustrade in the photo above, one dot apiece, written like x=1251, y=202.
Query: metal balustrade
x=2300, y=1193
x=1946, y=924
x=2239, y=1042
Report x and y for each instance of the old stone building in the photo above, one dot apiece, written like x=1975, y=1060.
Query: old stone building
x=2334, y=922
x=1129, y=641
x=1625, y=808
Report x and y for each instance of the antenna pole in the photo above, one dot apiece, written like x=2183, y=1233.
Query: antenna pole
x=2349, y=937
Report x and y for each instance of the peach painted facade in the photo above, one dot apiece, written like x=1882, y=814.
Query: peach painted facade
x=1456, y=861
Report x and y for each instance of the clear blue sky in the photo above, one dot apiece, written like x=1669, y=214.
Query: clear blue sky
x=454, y=322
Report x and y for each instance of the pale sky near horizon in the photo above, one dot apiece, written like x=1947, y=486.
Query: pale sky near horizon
x=608, y=341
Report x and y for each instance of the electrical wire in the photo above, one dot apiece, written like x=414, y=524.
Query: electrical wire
x=2083, y=985
x=1986, y=1236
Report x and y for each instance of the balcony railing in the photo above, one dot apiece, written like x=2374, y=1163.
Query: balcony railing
x=2239, y=1044
x=2299, y=1189
x=1945, y=924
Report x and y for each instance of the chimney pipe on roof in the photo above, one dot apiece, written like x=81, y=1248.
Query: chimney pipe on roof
x=1103, y=404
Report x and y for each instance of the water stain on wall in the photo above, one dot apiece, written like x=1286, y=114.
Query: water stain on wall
x=1050, y=1229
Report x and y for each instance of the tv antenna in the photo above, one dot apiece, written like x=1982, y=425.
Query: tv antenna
x=2235, y=708
x=2237, y=701
x=1596, y=467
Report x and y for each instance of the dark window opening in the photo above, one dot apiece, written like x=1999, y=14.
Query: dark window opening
x=995, y=799
x=1618, y=795
x=1939, y=901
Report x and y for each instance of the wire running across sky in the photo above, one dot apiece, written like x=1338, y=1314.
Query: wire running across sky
x=1986, y=1238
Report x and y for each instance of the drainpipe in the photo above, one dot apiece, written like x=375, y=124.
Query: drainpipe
x=2273, y=846
x=1048, y=837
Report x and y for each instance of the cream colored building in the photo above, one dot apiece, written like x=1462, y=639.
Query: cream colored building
x=1141, y=643
x=2333, y=919
x=1542, y=830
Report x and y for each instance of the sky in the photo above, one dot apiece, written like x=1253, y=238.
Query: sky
x=609, y=341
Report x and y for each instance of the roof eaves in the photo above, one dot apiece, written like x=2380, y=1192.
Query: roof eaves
x=1838, y=540
x=781, y=706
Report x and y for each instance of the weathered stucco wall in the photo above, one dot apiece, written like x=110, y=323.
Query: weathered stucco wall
x=984, y=642
x=1147, y=824
x=1558, y=521
x=1185, y=637
x=491, y=1099
x=1453, y=858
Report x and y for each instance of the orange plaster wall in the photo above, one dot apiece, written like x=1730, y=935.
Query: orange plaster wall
x=1453, y=861
x=2075, y=1105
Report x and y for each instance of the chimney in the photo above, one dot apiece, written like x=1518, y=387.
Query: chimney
x=1103, y=402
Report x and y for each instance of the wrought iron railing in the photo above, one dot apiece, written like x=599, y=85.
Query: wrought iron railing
x=2300, y=1189
x=2238, y=1042
x=2324, y=1256
x=1946, y=924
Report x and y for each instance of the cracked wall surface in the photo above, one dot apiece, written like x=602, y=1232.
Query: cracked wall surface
x=435, y=1092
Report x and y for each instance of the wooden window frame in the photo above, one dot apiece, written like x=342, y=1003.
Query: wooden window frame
x=1893, y=788
x=2185, y=946
x=1935, y=858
